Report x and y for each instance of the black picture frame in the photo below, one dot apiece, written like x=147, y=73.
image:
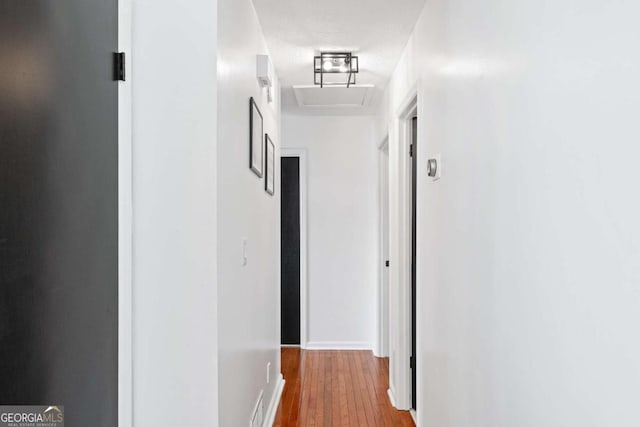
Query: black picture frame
x=256, y=130
x=270, y=165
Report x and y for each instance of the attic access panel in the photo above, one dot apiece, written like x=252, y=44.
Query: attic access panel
x=334, y=96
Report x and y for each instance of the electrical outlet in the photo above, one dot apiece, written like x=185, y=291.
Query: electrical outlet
x=268, y=372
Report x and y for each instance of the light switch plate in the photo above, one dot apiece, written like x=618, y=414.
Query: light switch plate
x=268, y=372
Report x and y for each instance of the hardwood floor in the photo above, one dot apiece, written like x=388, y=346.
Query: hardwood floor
x=336, y=388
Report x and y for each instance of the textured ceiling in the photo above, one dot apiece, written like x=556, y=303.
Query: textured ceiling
x=296, y=30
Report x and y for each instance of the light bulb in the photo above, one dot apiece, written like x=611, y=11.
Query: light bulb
x=327, y=65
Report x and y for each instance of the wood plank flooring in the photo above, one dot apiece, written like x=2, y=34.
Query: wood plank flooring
x=337, y=389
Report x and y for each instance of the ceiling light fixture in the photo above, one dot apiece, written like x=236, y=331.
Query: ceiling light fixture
x=335, y=63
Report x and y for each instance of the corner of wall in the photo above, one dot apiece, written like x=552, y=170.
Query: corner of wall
x=248, y=240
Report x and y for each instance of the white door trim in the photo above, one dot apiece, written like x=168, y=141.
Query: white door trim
x=400, y=252
x=125, y=224
x=301, y=153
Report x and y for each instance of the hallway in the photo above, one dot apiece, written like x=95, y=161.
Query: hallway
x=336, y=388
x=232, y=213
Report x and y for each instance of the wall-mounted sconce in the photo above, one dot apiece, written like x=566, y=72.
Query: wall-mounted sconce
x=264, y=72
x=331, y=63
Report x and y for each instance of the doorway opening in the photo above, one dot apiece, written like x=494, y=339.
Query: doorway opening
x=293, y=248
x=413, y=152
x=382, y=344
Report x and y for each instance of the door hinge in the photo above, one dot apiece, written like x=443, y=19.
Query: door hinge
x=411, y=362
x=119, y=66
x=410, y=150
x=386, y=263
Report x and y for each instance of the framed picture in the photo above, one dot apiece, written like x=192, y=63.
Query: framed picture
x=256, y=152
x=270, y=166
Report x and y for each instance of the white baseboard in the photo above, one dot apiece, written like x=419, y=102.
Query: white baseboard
x=379, y=355
x=414, y=415
x=270, y=416
x=324, y=345
x=391, y=397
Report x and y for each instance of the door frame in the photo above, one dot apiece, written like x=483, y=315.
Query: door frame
x=400, y=250
x=125, y=223
x=414, y=257
x=301, y=154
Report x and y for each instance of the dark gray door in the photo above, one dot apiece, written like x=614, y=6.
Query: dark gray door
x=290, y=250
x=59, y=207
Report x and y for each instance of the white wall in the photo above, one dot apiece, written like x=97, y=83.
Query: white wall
x=249, y=296
x=342, y=227
x=529, y=245
x=174, y=186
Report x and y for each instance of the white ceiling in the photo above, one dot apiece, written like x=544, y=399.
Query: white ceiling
x=296, y=30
